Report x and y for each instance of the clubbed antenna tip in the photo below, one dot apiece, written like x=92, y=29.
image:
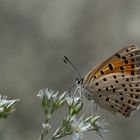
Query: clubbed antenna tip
x=66, y=60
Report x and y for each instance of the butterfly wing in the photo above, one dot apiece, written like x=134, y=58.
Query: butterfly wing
x=125, y=61
x=115, y=84
x=117, y=92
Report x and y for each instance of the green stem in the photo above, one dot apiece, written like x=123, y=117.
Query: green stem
x=41, y=136
x=44, y=132
x=53, y=138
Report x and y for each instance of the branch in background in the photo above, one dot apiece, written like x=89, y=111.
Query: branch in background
x=71, y=125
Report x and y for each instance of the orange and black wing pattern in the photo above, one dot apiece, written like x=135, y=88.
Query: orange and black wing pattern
x=126, y=61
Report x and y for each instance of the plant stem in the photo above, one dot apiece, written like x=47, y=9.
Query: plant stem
x=43, y=131
x=41, y=136
x=53, y=138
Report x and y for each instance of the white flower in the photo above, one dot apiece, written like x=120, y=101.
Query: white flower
x=1, y=109
x=7, y=103
x=98, y=124
x=101, y=125
x=72, y=101
x=45, y=94
x=79, y=127
x=6, y=106
x=46, y=126
x=59, y=99
x=62, y=96
x=51, y=100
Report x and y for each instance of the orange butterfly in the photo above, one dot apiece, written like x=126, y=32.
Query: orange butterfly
x=114, y=84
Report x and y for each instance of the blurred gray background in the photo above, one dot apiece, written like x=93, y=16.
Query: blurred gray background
x=34, y=37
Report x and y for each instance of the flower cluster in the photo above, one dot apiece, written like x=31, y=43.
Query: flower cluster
x=75, y=105
x=6, y=106
x=50, y=100
x=71, y=125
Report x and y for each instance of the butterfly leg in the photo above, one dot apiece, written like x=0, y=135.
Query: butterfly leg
x=94, y=108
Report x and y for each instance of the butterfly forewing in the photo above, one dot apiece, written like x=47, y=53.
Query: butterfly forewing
x=122, y=61
x=115, y=84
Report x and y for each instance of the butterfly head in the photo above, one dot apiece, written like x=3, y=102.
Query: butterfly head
x=79, y=80
x=80, y=88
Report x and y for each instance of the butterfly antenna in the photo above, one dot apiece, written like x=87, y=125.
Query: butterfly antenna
x=67, y=61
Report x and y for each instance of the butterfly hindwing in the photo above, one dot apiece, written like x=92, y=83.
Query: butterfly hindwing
x=117, y=92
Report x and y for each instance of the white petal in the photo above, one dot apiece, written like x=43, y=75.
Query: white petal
x=75, y=136
x=1, y=109
x=85, y=127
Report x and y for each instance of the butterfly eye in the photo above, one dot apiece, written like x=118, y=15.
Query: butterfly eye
x=79, y=81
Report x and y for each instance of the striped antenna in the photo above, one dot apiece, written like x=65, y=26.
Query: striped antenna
x=67, y=61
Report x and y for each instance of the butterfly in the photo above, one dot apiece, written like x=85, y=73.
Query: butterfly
x=115, y=83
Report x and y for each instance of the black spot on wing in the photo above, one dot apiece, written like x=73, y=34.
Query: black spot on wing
x=110, y=66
